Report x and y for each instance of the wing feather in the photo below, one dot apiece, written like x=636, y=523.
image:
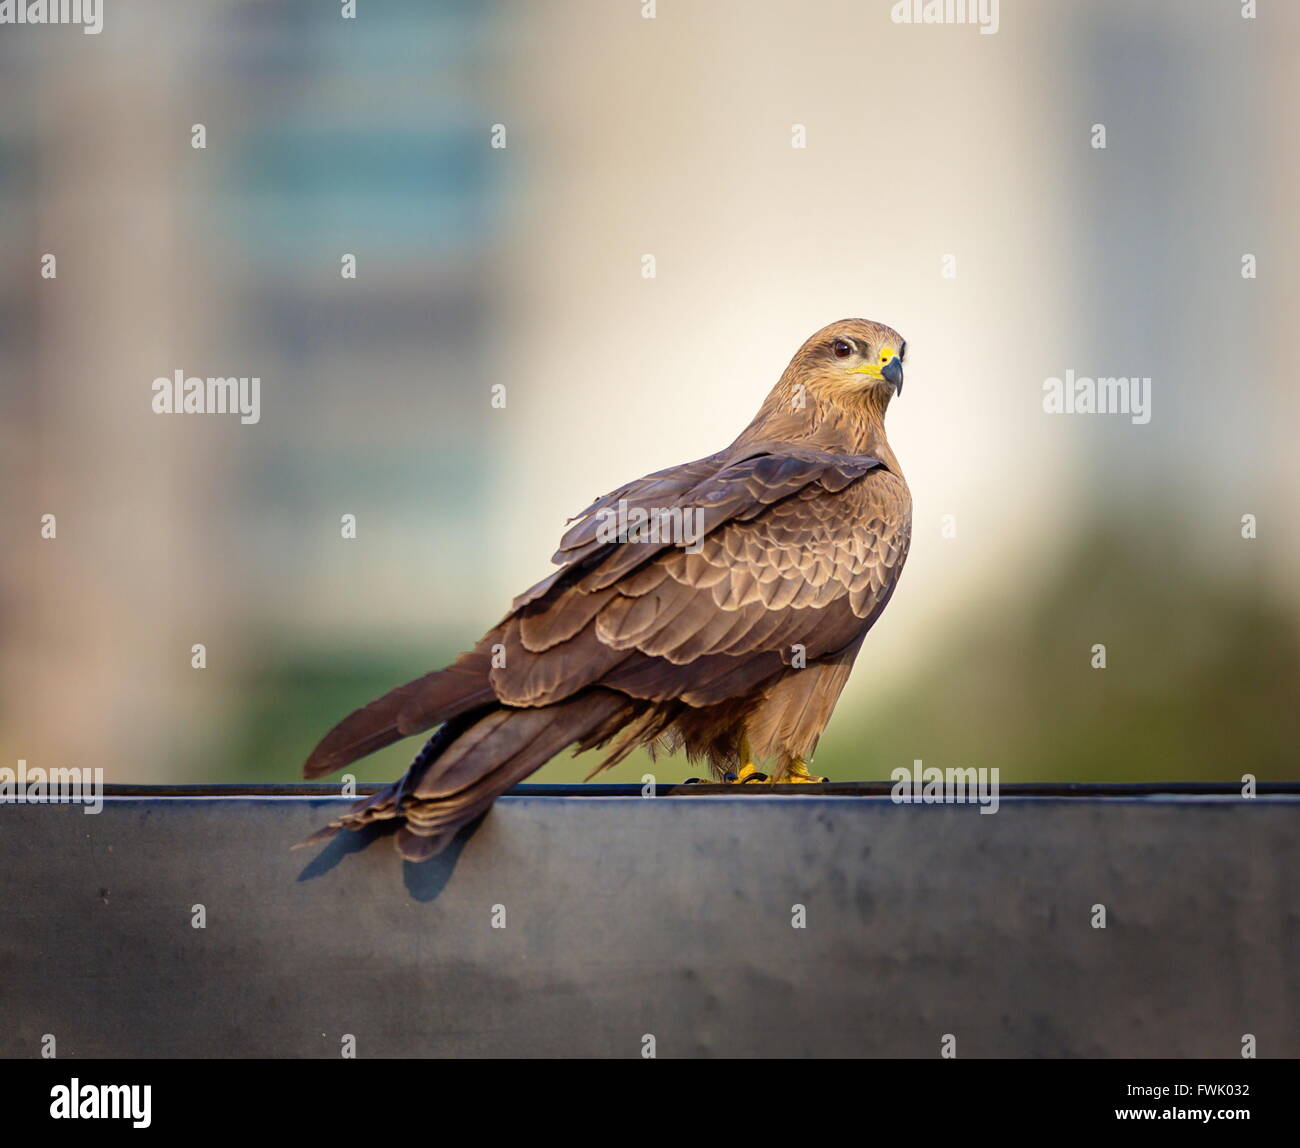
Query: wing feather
x=799, y=546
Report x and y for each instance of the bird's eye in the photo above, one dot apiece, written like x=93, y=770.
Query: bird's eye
x=842, y=349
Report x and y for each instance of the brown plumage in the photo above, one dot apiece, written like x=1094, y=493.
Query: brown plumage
x=740, y=639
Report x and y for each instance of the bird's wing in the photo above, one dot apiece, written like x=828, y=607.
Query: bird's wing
x=801, y=549
x=663, y=488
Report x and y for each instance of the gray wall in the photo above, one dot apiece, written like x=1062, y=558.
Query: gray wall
x=671, y=917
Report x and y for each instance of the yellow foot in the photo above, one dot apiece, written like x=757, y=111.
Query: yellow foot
x=747, y=773
x=798, y=774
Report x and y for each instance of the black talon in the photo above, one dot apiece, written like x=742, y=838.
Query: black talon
x=756, y=777
x=728, y=776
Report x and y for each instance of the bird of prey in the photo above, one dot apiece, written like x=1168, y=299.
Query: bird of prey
x=731, y=641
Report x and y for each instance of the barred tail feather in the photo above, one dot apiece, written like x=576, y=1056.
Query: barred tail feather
x=471, y=762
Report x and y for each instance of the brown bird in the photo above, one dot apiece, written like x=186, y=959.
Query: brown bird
x=715, y=607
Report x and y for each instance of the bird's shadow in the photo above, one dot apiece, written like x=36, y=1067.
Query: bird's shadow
x=424, y=880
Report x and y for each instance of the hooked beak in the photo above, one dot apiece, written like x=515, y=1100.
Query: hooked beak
x=892, y=372
x=889, y=368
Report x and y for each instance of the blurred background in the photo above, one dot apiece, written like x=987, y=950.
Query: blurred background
x=928, y=149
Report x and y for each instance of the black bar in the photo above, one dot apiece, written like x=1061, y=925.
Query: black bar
x=340, y=1097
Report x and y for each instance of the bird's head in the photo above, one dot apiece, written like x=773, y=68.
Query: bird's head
x=853, y=359
x=835, y=391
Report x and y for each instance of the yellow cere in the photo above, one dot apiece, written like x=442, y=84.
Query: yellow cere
x=873, y=369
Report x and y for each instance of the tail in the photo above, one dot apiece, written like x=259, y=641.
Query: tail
x=473, y=759
x=405, y=711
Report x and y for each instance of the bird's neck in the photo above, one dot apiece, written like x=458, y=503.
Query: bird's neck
x=856, y=428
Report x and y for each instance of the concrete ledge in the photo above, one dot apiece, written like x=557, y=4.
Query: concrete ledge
x=626, y=916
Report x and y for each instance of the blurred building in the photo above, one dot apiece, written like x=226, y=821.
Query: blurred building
x=928, y=150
